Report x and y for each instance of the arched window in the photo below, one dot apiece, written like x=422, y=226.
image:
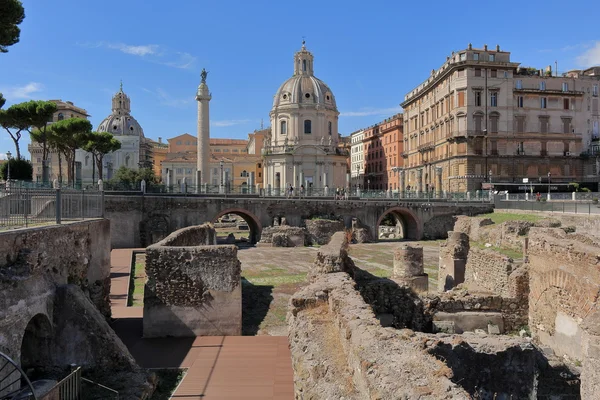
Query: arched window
x=244, y=174
x=87, y=160
x=284, y=127
x=61, y=116
x=127, y=161
x=304, y=65
x=329, y=127
x=307, y=126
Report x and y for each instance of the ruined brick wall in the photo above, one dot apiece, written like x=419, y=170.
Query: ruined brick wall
x=488, y=269
x=192, y=290
x=564, y=293
x=453, y=259
x=284, y=236
x=320, y=231
x=76, y=253
x=333, y=257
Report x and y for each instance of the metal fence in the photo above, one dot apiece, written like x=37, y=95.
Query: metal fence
x=22, y=206
x=67, y=389
x=568, y=196
x=577, y=207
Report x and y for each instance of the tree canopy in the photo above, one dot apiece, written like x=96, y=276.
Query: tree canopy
x=12, y=14
x=19, y=169
x=99, y=144
x=15, y=119
x=67, y=136
x=2, y=100
x=129, y=176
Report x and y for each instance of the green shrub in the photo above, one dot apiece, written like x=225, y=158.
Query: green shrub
x=21, y=170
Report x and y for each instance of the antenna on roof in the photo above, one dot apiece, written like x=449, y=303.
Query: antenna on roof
x=261, y=124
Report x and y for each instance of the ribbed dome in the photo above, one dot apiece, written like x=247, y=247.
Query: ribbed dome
x=304, y=89
x=120, y=122
x=121, y=125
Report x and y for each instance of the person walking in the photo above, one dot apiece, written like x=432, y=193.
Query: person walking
x=301, y=190
x=290, y=191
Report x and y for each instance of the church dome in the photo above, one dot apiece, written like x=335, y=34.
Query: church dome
x=303, y=87
x=120, y=122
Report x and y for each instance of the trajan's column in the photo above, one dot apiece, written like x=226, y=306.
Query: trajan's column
x=203, y=97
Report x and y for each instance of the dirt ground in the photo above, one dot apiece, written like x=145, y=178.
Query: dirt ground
x=271, y=275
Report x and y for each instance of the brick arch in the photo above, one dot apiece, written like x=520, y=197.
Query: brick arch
x=410, y=222
x=584, y=295
x=36, y=349
x=253, y=222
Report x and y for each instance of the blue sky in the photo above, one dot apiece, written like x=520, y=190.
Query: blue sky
x=370, y=53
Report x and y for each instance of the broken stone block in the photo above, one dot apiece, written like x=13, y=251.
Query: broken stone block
x=493, y=329
x=444, y=327
x=480, y=332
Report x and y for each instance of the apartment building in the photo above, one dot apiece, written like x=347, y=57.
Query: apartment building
x=357, y=162
x=481, y=117
x=393, y=143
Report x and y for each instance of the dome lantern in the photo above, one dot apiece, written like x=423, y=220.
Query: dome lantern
x=303, y=61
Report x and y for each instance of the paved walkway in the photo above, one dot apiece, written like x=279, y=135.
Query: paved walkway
x=219, y=367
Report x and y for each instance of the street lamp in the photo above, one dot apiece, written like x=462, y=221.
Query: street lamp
x=490, y=175
x=221, y=164
x=549, y=175
x=8, y=157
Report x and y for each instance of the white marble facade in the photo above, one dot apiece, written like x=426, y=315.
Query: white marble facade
x=127, y=130
x=303, y=145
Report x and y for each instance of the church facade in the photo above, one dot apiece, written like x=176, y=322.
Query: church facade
x=302, y=148
x=135, y=150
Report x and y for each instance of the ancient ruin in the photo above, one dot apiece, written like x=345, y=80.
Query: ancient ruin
x=496, y=326
x=194, y=286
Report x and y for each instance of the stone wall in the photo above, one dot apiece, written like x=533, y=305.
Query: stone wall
x=490, y=270
x=192, y=290
x=283, y=236
x=565, y=288
x=408, y=268
x=320, y=231
x=333, y=257
x=76, y=253
x=453, y=260
x=54, y=304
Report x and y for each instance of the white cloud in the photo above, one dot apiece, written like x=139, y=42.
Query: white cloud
x=167, y=100
x=134, y=50
x=229, y=122
x=365, y=112
x=149, y=52
x=590, y=57
x=21, y=92
x=3, y=156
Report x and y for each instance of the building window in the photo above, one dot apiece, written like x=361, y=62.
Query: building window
x=260, y=174
x=179, y=170
x=566, y=125
x=520, y=124
x=494, y=99
x=506, y=74
x=595, y=91
x=543, y=125
x=543, y=85
x=565, y=87
x=39, y=160
x=283, y=127
x=179, y=142
x=543, y=102
x=477, y=71
x=476, y=57
x=304, y=65
x=520, y=101
x=477, y=119
x=566, y=104
x=127, y=161
x=87, y=160
x=244, y=174
x=478, y=98
x=494, y=124
x=461, y=103
x=493, y=73
x=492, y=57
x=307, y=126
x=521, y=148
x=463, y=56
x=61, y=116
x=461, y=72
x=518, y=84
x=329, y=128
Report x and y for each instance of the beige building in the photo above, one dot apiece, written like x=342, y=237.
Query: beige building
x=65, y=110
x=482, y=117
x=181, y=161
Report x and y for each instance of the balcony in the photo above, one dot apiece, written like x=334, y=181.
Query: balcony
x=425, y=147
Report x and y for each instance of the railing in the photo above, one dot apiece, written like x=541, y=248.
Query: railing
x=96, y=391
x=67, y=389
x=562, y=196
x=22, y=206
x=550, y=206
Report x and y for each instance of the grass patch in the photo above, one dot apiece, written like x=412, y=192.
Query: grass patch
x=515, y=255
x=500, y=217
x=379, y=272
x=137, y=280
x=274, y=280
x=168, y=379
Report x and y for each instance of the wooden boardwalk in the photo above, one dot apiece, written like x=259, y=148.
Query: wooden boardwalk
x=219, y=367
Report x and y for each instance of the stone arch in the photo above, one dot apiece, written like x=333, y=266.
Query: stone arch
x=253, y=222
x=36, y=346
x=411, y=228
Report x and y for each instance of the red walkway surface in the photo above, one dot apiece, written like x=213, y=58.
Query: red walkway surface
x=219, y=367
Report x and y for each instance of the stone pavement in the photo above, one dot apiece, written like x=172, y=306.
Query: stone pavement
x=219, y=368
